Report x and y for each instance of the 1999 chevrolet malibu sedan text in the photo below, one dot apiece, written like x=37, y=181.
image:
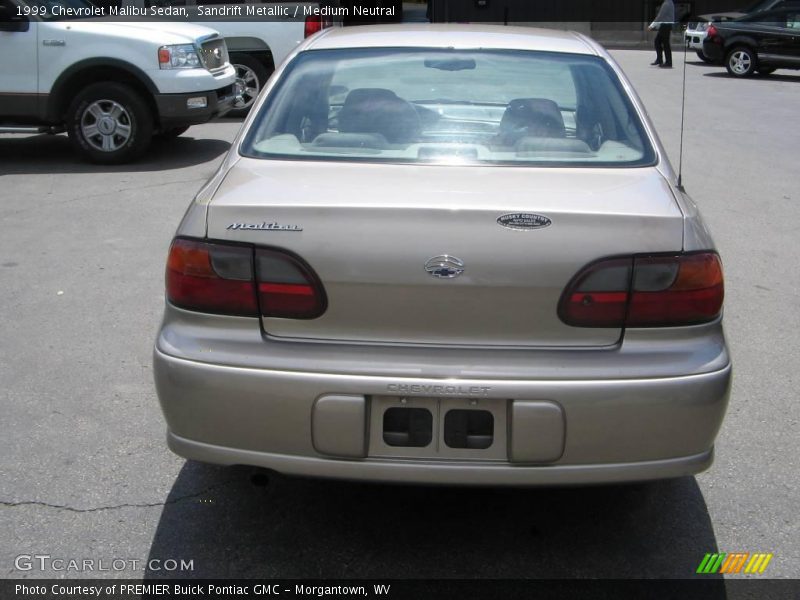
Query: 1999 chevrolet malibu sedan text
x=446, y=254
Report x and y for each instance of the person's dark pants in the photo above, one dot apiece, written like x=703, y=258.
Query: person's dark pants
x=663, y=47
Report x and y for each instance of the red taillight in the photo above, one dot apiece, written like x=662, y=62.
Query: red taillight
x=236, y=280
x=211, y=278
x=287, y=287
x=655, y=291
x=693, y=296
x=598, y=295
x=711, y=33
x=313, y=25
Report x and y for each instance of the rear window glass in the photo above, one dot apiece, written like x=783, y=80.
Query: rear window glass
x=439, y=105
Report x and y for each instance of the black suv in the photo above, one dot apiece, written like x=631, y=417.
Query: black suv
x=761, y=42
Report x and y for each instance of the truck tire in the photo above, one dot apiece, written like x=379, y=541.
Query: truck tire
x=251, y=76
x=110, y=123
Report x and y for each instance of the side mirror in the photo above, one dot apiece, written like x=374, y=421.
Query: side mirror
x=10, y=22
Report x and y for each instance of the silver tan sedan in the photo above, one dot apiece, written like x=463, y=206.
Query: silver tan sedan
x=446, y=254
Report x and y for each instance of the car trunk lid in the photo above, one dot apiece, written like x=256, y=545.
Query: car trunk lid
x=368, y=231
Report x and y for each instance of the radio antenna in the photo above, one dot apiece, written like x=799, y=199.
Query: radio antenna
x=683, y=113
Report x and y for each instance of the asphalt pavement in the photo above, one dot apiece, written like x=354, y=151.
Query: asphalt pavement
x=86, y=473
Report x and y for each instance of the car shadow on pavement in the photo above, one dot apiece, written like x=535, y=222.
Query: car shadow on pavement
x=702, y=63
x=39, y=154
x=766, y=79
x=240, y=523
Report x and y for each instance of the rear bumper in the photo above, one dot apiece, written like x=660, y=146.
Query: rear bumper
x=441, y=473
x=174, y=110
x=694, y=39
x=614, y=430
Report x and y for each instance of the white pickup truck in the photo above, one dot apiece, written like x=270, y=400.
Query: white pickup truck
x=256, y=45
x=111, y=85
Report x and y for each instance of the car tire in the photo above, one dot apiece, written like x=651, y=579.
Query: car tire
x=110, y=123
x=251, y=75
x=703, y=57
x=741, y=61
x=169, y=134
x=764, y=71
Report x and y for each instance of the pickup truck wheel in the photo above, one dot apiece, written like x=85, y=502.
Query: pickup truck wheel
x=741, y=62
x=110, y=123
x=251, y=76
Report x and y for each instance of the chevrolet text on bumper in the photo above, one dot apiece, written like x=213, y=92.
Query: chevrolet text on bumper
x=314, y=411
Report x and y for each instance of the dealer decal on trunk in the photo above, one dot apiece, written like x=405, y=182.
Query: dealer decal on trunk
x=524, y=221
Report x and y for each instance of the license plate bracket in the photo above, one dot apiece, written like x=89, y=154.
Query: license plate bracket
x=438, y=428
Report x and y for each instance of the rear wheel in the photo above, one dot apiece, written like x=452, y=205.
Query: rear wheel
x=741, y=62
x=110, y=123
x=703, y=57
x=251, y=76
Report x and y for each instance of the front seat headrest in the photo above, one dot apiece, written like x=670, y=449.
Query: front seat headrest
x=531, y=117
x=377, y=110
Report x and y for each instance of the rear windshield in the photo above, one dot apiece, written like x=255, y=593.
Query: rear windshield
x=451, y=106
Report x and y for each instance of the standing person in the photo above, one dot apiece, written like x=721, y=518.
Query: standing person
x=663, y=23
